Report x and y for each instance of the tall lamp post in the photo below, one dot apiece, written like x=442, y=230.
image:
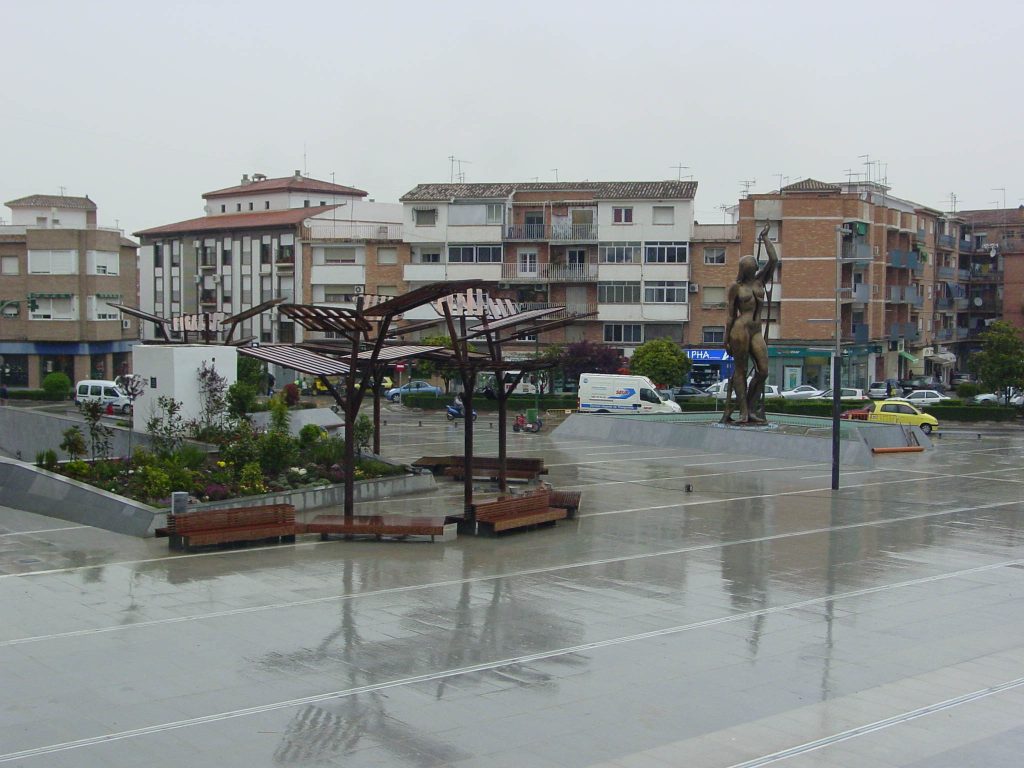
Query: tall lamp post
x=837, y=357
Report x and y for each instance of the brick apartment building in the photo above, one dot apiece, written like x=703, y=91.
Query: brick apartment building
x=293, y=237
x=993, y=263
x=620, y=249
x=59, y=274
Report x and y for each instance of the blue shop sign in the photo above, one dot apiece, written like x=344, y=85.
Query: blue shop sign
x=708, y=355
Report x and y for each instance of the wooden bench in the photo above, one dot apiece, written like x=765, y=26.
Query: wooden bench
x=489, y=473
x=398, y=526
x=526, y=511
x=567, y=500
x=524, y=467
x=223, y=526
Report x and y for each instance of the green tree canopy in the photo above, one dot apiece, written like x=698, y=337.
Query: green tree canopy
x=660, y=360
x=252, y=372
x=586, y=357
x=1000, y=363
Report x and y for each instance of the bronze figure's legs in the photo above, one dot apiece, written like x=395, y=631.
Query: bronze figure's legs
x=755, y=403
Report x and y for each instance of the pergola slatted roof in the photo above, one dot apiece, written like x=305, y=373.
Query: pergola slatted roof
x=301, y=360
x=396, y=305
x=398, y=352
x=513, y=320
x=326, y=319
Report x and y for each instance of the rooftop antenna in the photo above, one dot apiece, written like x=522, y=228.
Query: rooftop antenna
x=305, y=167
x=783, y=180
x=1003, y=190
x=724, y=208
x=555, y=170
x=535, y=179
x=867, y=166
x=453, y=174
x=747, y=184
x=62, y=191
x=679, y=170
x=952, y=202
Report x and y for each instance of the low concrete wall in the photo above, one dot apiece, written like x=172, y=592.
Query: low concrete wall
x=24, y=486
x=714, y=438
x=25, y=432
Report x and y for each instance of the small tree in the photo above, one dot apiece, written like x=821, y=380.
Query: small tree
x=133, y=386
x=252, y=372
x=73, y=443
x=241, y=399
x=56, y=385
x=212, y=397
x=428, y=368
x=363, y=432
x=1000, y=363
x=660, y=360
x=586, y=357
x=166, y=426
x=99, y=433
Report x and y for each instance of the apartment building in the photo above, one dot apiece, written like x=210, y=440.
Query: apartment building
x=59, y=275
x=619, y=249
x=992, y=266
x=898, y=266
x=294, y=237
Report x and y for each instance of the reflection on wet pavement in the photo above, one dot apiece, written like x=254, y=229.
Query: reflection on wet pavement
x=759, y=619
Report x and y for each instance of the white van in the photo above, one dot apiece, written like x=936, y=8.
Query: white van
x=103, y=392
x=618, y=393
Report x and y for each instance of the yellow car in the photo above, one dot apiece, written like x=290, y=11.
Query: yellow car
x=895, y=412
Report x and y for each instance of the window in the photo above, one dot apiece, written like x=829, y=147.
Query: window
x=627, y=333
x=712, y=296
x=225, y=252
x=488, y=254
x=345, y=255
x=54, y=308
x=266, y=288
x=175, y=289
x=663, y=214
x=101, y=309
x=714, y=255
x=223, y=209
x=460, y=254
x=286, y=254
x=576, y=256
x=665, y=253
x=305, y=203
x=622, y=215
x=619, y=253
x=238, y=206
x=424, y=217
x=339, y=294
x=8, y=265
x=494, y=213
x=387, y=255
x=713, y=334
x=266, y=251
x=103, y=262
x=266, y=205
x=158, y=255
x=53, y=262
x=250, y=206
x=387, y=290
x=665, y=291
x=323, y=202
x=428, y=257
x=176, y=253
x=618, y=293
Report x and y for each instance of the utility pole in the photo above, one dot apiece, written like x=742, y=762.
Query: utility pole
x=837, y=359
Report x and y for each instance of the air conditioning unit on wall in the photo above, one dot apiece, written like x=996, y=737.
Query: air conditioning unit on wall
x=694, y=287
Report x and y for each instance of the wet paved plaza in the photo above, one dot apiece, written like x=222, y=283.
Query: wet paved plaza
x=758, y=620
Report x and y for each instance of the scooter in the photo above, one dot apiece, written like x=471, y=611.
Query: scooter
x=453, y=412
x=522, y=425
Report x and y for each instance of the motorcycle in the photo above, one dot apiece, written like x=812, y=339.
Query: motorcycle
x=522, y=425
x=453, y=412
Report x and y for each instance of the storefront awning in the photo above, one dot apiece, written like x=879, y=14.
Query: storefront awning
x=943, y=358
x=908, y=356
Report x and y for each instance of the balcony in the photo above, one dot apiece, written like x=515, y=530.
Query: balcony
x=574, y=233
x=962, y=303
x=895, y=294
x=943, y=303
x=944, y=334
x=423, y=273
x=348, y=230
x=983, y=275
x=527, y=232
x=902, y=259
x=858, y=333
x=963, y=274
x=858, y=253
x=572, y=273
x=945, y=273
x=945, y=241
x=858, y=293
x=208, y=297
x=906, y=331
x=966, y=246
x=961, y=333
x=285, y=261
x=580, y=308
x=524, y=273
x=912, y=297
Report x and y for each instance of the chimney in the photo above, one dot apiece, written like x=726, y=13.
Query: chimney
x=245, y=179
x=298, y=175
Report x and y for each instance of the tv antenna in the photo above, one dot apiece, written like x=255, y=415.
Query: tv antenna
x=457, y=175
x=679, y=170
x=747, y=184
x=724, y=208
x=555, y=171
x=305, y=166
x=1003, y=190
x=952, y=202
x=62, y=191
x=867, y=166
x=783, y=180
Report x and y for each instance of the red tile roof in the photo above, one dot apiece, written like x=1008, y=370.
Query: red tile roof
x=53, y=201
x=811, y=185
x=287, y=184
x=282, y=218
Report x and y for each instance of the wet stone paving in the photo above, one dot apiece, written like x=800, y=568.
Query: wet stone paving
x=759, y=619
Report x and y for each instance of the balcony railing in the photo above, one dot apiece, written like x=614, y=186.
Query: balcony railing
x=912, y=297
x=208, y=297
x=986, y=275
x=921, y=234
x=961, y=333
x=351, y=230
x=574, y=308
x=572, y=273
x=963, y=274
x=966, y=246
x=943, y=302
x=527, y=232
x=903, y=259
x=962, y=303
x=574, y=232
x=895, y=294
x=858, y=333
x=945, y=241
x=943, y=334
x=945, y=273
x=856, y=252
x=907, y=331
x=524, y=273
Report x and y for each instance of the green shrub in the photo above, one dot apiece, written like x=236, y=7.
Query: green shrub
x=28, y=394
x=374, y=468
x=277, y=450
x=310, y=433
x=47, y=459
x=251, y=482
x=242, y=447
x=327, y=452
x=947, y=412
x=154, y=483
x=965, y=390
x=73, y=443
x=56, y=385
x=190, y=456
x=241, y=399
x=77, y=469
x=363, y=432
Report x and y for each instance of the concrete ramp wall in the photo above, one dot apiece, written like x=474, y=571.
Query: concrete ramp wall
x=24, y=486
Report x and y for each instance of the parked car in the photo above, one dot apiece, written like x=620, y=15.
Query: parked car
x=894, y=412
x=922, y=382
x=880, y=390
x=667, y=394
x=688, y=392
x=414, y=387
x=845, y=393
x=803, y=392
x=921, y=397
x=1016, y=397
x=103, y=392
x=718, y=390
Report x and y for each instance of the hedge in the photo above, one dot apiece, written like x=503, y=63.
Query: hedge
x=29, y=394
x=482, y=404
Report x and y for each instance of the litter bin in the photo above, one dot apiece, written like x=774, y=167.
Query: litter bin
x=531, y=415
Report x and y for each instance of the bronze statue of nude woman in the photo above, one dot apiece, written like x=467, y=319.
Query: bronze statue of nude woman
x=744, y=339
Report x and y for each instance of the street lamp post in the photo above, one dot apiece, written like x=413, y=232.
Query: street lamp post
x=837, y=357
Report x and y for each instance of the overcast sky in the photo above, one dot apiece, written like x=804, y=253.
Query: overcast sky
x=145, y=106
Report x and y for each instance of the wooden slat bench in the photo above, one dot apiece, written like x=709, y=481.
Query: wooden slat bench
x=567, y=500
x=380, y=525
x=524, y=511
x=224, y=526
x=530, y=468
x=489, y=473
